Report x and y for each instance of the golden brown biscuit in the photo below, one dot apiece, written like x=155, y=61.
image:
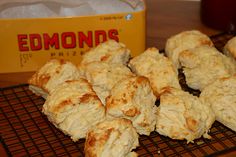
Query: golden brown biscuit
x=111, y=138
x=221, y=96
x=109, y=52
x=183, y=41
x=132, y=98
x=74, y=108
x=50, y=75
x=157, y=68
x=183, y=116
x=104, y=76
x=203, y=65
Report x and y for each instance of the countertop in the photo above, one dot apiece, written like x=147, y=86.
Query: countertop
x=164, y=18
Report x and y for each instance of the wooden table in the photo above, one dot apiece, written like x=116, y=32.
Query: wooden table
x=164, y=18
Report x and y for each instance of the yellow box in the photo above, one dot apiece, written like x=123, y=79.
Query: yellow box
x=26, y=44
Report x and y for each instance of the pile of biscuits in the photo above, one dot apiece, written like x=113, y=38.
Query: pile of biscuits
x=109, y=98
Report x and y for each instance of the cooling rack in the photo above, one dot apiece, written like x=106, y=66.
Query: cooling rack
x=25, y=131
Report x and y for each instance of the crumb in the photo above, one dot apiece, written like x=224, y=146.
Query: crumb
x=199, y=142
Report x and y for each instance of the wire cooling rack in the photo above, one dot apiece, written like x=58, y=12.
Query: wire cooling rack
x=25, y=131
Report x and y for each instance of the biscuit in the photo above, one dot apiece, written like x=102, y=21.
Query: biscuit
x=184, y=41
x=183, y=116
x=74, y=108
x=203, y=65
x=50, y=75
x=132, y=98
x=112, y=138
x=230, y=48
x=109, y=51
x=103, y=76
x=221, y=96
x=157, y=68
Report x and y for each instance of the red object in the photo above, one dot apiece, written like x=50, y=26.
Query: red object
x=219, y=14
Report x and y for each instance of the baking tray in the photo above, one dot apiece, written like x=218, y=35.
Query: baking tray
x=25, y=131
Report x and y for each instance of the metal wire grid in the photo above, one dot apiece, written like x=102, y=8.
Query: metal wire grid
x=223, y=140
x=25, y=131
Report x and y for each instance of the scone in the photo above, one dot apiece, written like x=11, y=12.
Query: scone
x=183, y=116
x=184, y=41
x=103, y=76
x=109, y=51
x=203, y=65
x=49, y=76
x=133, y=99
x=221, y=96
x=74, y=108
x=157, y=68
x=230, y=48
x=112, y=138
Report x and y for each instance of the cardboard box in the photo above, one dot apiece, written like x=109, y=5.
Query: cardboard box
x=26, y=44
